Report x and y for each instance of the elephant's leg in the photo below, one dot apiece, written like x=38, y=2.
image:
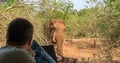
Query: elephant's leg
x=59, y=56
x=60, y=49
x=60, y=53
x=55, y=47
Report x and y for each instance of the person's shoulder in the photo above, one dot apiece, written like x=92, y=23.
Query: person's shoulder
x=15, y=55
x=8, y=49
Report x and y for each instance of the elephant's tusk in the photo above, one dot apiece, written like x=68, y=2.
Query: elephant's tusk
x=54, y=40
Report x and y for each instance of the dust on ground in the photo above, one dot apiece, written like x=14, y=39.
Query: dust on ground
x=80, y=48
x=72, y=51
x=84, y=48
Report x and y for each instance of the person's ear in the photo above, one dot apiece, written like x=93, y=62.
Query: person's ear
x=30, y=41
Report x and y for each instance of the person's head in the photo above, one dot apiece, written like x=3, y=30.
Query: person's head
x=19, y=32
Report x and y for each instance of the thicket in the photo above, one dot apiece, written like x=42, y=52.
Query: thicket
x=109, y=23
x=87, y=22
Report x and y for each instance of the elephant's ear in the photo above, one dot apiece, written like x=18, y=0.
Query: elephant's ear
x=63, y=22
x=51, y=26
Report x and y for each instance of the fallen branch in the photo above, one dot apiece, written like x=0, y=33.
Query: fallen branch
x=8, y=8
x=11, y=7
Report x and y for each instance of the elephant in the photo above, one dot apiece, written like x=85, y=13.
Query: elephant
x=55, y=31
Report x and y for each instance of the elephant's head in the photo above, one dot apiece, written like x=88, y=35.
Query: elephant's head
x=55, y=30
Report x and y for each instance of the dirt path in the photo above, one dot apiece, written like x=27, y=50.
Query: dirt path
x=71, y=50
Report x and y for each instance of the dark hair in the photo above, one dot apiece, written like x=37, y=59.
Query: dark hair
x=19, y=31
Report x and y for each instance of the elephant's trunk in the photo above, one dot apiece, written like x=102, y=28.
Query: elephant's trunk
x=59, y=43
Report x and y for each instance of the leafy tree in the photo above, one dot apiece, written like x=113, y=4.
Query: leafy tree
x=52, y=9
x=110, y=27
